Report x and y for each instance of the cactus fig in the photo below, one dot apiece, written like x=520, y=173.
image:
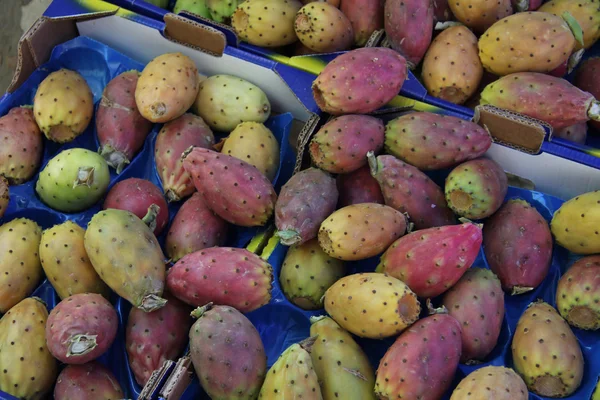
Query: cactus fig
x=91, y=380
x=576, y=133
x=491, y=382
x=366, y=17
x=222, y=10
x=198, y=7
x=585, y=12
x=587, y=78
x=575, y=223
x=323, y=28
x=577, y=292
x=22, y=147
x=479, y=15
x=409, y=27
x=4, y=195
x=358, y=187
x=442, y=11
x=526, y=5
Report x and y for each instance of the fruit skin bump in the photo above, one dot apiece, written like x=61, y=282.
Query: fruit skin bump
x=491, y=382
x=92, y=379
x=22, y=145
x=409, y=27
x=323, y=28
x=578, y=292
x=479, y=15
x=546, y=353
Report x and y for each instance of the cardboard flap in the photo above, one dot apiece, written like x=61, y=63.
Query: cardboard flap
x=195, y=35
x=230, y=35
x=156, y=380
x=178, y=381
x=303, y=138
x=512, y=129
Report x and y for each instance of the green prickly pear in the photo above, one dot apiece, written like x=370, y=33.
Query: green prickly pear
x=74, y=180
x=577, y=294
x=138, y=272
x=491, y=382
x=323, y=28
x=159, y=3
x=575, y=223
x=222, y=10
x=198, y=7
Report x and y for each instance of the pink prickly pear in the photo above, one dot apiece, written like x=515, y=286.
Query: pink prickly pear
x=233, y=189
x=323, y=28
x=22, y=147
x=173, y=139
x=358, y=187
x=91, y=380
x=587, y=79
x=360, y=81
x=409, y=27
x=366, y=17
x=576, y=133
x=577, y=293
x=442, y=11
x=4, y=195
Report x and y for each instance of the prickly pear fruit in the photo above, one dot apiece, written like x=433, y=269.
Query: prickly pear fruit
x=476, y=188
x=479, y=15
x=323, y=28
x=198, y=7
x=596, y=392
x=266, y=23
x=575, y=224
x=587, y=78
x=304, y=202
x=167, y=87
x=222, y=10
x=441, y=11
x=74, y=180
x=20, y=267
x=335, y=3
x=518, y=246
x=224, y=101
x=225, y=334
x=142, y=198
x=195, y=227
x=81, y=328
x=361, y=231
x=233, y=189
x=585, y=12
x=159, y=3
x=526, y=5
x=577, y=292
x=22, y=147
x=174, y=138
x=430, y=261
x=432, y=141
x=307, y=272
x=342, y=144
x=254, y=143
x=341, y=365
x=372, y=305
x=477, y=302
x=491, y=382
x=4, y=195
x=360, y=81
x=422, y=361
x=532, y=41
x=358, y=187
x=198, y=278
x=544, y=97
x=546, y=353
x=154, y=337
x=409, y=27
x=63, y=105
x=366, y=17
x=28, y=368
x=120, y=127
x=66, y=264
x=91, y=380
x=576, y=133
x=138, y=273
x=409, y=190
x=452, y=69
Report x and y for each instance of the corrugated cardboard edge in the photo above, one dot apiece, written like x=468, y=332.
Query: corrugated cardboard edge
x=203, y=20
x=178, y=381
x=156, y=381
x=195, y=35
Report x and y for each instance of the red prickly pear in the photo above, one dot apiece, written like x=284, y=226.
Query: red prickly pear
x=366, y=17
x=479, y=15
x=358, y=187
x=81, y=328
x=323, y=28
x=491, y=382
x=233, y=189
x=561, y=70
x=173, y=139
x=195, y=227
x=223, y=333
x=410, y=191
x=585, y=12
x=342, y=144
x=477, y=302
x=518, y=246
x=577, y=292
x=142, y=198
x=22, y=147
x=92, y=381
x=409, y=27
x=120, y=127
x=431, y=141
x=544, y=97
x=199, y=278
x=588, y=80
x=305, y=201
x=154, y=337
x=4, y=195
x=442, y=11
x=422, y=361
x=430, y=261
x=360, y=81
x=576, y=133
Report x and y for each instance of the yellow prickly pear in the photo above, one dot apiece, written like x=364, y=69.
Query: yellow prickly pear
x=576, y=224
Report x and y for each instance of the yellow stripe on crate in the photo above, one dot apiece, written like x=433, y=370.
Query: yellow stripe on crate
x=594, y=152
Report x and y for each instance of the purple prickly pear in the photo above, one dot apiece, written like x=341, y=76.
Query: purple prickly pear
x=195, y=227
x=360, y=81
x=92, y=380
x=358, y=187
x=342, y=144
x=491, y=382
x=81, y=328
x=173, y=139
x=233, y=189
x=442, y=11
x=323, y=28
x=422, y=361
x=576, y=133
x=409, y=27
x=577, y=294
x=154, y=337
x=4, y=195
x=518, y=246
x=227, y=352
x=479, y=15
x=476, y=188
x=305, y=201
x=120, y=127
x=199, y=278
x=410, y=191
x=431, y=141
x=477, y=302
x=366, y=17
x=22, y=148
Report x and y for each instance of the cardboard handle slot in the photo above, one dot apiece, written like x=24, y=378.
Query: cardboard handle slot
x=195, y=35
